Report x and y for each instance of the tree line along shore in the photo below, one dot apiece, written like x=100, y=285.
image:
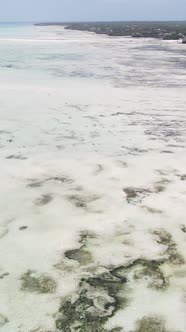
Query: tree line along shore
x=160, y=30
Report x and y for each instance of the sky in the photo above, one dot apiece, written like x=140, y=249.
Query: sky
x=91, y=10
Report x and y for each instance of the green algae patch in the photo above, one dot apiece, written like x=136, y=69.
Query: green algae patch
x=152, y=272
x=159, y=188
x=78, y=316
x=150, y=324
x=144, y=269
x=82, y=256
x=165, y=238
x=3, y=320
x=65, y=266
x=75, y=258
x=33, y=283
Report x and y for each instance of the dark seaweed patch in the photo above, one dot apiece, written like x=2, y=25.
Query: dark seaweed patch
x=136, y=195
x=166, y=151
x=97, y=300
x=99, y=169
x=22, y=228
x=35, y=184
x=18, y=157
x=44, y=199
x=60, y=179
x=183, y=228
x=159, y=188
x=82, y=201
x=100, y=295
x=165, y=238
x=150, y=324
x=78, y=201
x=86, y=236
x=152, y=210
x=2, y=276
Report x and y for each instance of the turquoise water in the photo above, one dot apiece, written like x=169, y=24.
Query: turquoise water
x=52, y=52
x=10, y=30
x=45, y=51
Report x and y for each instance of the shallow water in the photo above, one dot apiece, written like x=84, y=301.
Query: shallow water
x=92, y=173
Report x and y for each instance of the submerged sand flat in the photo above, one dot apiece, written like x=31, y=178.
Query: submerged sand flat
x=93, y=183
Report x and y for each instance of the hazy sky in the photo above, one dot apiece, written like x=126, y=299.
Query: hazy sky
x=77, y=10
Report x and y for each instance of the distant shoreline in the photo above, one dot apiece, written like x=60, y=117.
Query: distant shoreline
x=95, y=22
x=164, y=30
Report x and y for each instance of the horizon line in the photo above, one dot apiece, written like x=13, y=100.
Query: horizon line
x=86, y=21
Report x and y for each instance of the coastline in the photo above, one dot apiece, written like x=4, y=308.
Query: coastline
x=160, y=30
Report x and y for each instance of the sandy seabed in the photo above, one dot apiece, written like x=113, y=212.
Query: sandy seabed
x=93, y=183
